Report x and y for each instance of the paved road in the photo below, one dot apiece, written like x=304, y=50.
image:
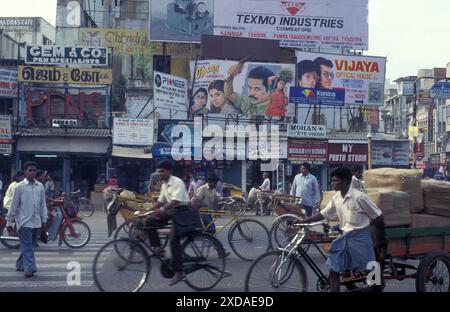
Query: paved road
x=52, y=261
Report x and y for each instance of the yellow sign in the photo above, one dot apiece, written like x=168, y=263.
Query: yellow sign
x=123, y=41
x=413, y=131
x=42, y=74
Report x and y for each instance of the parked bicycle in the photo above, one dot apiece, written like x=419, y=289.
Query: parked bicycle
x=124, y=264
x=86, y=208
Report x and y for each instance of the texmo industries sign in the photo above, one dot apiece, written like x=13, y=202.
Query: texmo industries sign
x=56, y=55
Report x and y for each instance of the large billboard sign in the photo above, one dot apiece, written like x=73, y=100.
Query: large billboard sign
x=181, y=20
x=57, y=55
x=362, y=77
x=230, y=87
x=170, y=92
x=337, y=24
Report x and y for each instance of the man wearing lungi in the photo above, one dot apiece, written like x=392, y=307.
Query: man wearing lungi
x=354, y=249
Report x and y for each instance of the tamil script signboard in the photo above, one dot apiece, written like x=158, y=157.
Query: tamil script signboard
x=170, y=92
x=8, y=83
x=440, y=90
x=307, y=131
x=88, y=76
x=56, y=55
x=129, y=131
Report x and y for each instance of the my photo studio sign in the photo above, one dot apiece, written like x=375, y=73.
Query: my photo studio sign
x=129, y=131
x=170, y=92
x=362, y=77
x=347, y=153
x=56, y=55
x=337, y=24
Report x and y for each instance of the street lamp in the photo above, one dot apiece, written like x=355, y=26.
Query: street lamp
x=369, y=148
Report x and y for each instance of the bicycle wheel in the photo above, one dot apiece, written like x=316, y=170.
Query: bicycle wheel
x=124, y=230
x=124, y=272
x=249, y=239
x=80, y=237
x=281, y=233
x=11, y=244
x=85, y=207
x=273, y=272
x=203, y=261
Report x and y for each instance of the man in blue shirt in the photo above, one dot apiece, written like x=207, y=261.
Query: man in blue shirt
x=305, y=185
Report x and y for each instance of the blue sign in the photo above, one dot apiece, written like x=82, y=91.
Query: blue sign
x=330, y=97
x=165, y=150
x=440, y=90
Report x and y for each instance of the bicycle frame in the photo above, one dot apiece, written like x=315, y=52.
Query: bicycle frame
x=66, y=220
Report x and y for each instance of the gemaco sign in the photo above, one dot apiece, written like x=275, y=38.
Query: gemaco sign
x=56, y=55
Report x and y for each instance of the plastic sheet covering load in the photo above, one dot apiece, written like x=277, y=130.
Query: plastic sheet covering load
x=436, y=197
x=127, y=195
x=425, y=221
x=394, y=204
x=405, y=180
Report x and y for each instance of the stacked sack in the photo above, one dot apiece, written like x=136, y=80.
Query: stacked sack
x=436, y=213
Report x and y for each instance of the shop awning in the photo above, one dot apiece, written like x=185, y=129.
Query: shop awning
x=131, y=152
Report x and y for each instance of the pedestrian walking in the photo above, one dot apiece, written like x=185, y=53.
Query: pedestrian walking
x=29, y=211
x=305, y=185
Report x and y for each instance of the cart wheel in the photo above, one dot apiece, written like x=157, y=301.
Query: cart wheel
x=433, y=273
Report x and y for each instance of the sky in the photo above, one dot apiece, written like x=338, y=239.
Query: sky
x=412, y=34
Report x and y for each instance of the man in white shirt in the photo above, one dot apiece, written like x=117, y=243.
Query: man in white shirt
x=263, y=196
x=357, y=182
x=356, y=212
x=173, y=199
x=29, y=211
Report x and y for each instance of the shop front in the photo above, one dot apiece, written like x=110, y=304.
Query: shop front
x=76, y=162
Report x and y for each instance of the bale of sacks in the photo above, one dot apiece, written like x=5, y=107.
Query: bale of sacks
x=436, y=197
x=404, y=180
x=393, y=204
x=425, y=220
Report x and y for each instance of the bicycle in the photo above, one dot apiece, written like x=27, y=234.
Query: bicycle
x=203, y=261
x=283, y=269
x=8, y=239
x=72, y=231
x=85, y=206
x=247, y=237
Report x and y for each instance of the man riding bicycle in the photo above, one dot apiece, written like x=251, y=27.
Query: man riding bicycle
x=173, y=198
x=354, y=249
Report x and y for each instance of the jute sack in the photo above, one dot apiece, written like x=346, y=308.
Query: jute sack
x=394, y=204
x=436, y=197
x=405, y=180
x=424, y=220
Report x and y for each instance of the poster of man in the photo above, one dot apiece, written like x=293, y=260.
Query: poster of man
x=360, y=77
x=244, y=87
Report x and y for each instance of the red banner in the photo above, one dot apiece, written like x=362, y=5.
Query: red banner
x=305, y=150
x=347, y=153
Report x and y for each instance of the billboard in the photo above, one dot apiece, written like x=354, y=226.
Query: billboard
x=362, y=77
x=229, y=87
x=86, y=76
x=306, y=24
x=123, y=41
x=8, y=83
x=56, y=55
x=129, y=131
x=180, y=20
x=170, y=92
x=387, y=153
